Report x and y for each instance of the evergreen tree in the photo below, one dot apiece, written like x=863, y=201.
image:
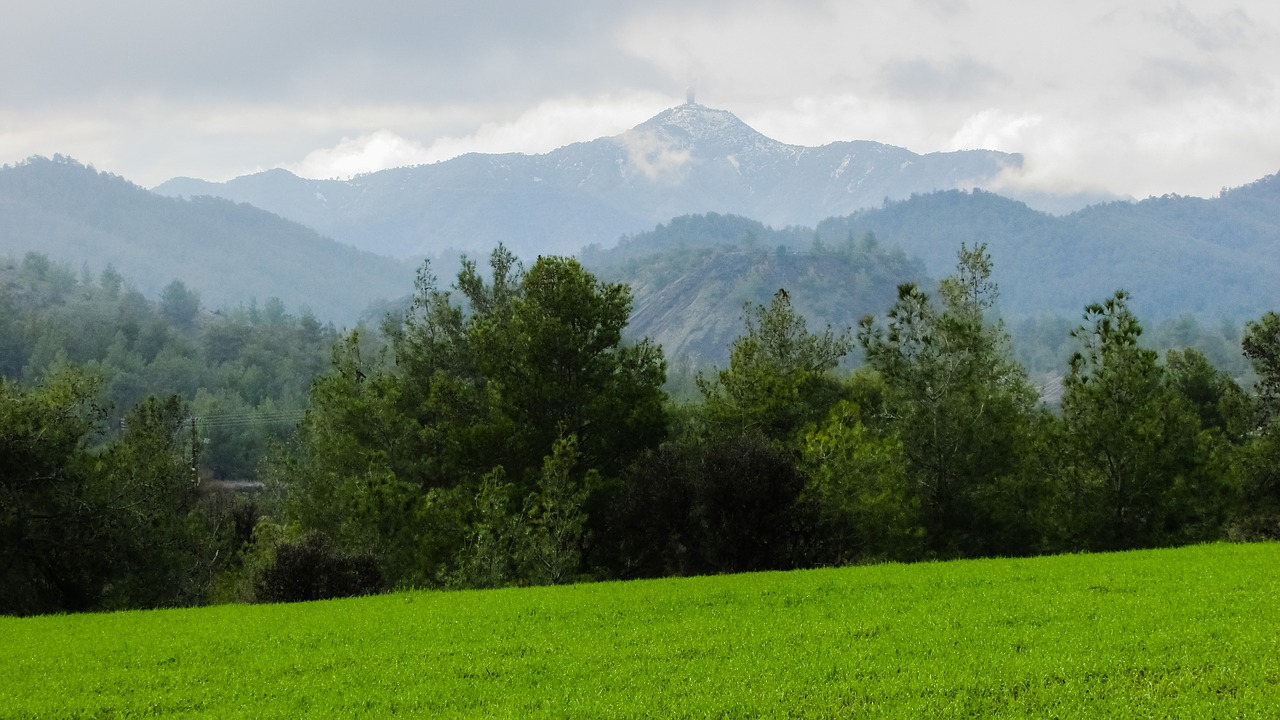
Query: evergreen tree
x=962, y=408
x=1134, y=471
x=779, y=377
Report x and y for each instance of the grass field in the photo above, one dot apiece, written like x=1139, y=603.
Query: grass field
x=1193, y=632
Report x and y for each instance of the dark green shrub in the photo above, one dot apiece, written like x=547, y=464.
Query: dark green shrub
x=310, y=568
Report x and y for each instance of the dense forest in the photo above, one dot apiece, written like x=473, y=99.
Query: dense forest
x=691, y=277
x=244, y=372
x=503, y=429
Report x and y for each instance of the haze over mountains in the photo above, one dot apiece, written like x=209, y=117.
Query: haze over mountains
x=687, y=159
x=1212, y=257
x=693, y=208
x=230, y=253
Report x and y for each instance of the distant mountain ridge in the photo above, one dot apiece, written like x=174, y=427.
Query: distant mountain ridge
x=687, y=159
x=230, y=253
x=1214, y=257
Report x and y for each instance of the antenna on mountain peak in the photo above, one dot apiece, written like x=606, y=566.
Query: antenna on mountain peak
x=688, y=97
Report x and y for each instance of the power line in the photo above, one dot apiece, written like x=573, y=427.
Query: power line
x=269, y=417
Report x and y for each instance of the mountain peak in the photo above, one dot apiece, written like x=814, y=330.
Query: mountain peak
x=704, y=130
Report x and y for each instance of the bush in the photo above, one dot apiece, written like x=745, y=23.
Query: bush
x=726, y=505
x=309, y=568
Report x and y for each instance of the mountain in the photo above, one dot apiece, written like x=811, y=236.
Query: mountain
x=688, y=159
x=230, y=253
x=1217, y=257
x=690, y=279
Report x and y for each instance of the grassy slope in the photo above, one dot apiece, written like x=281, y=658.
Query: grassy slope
x=1173, y=633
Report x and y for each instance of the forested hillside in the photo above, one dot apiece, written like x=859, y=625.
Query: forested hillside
x=1216, y=257
x=692, y=277
x=244, y=373
x=228, y=253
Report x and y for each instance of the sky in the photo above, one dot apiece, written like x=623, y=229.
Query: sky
x=1140, y=98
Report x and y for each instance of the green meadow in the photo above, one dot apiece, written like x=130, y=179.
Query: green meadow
x=1191, y=632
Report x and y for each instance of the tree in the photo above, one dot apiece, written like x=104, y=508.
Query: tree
x=779, y=376
x=744, y=511
x=554, y=515
x=1260, y=456
x=857, y=490
x=562, y=369
x=961, y=406
x=1262, y=346
x=163, y=549
x=488, y=559
x=179, y=305
x=1133, y=440
x=395, y=452
x=47, y=520
x=93, y=526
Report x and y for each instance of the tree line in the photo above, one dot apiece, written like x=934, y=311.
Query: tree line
x=509, y=435
x=506, y=432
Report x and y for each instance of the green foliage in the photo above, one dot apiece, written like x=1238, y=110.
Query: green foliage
x=48, y=560
x=391, y=443
x=1136, y=467
x=489, y=558
x=1258, y=517
x=543, y=543
x=309, y=568
x=1260, y=458
x=179, y=305
x=556, y=521
x=508, y=433
x=960, y=405
x=856, y=483
x=1262, y=347
x=779, y=376
x=245, y=373
x=164, y=548
x=725, y=504
x=563, y=369
x=93, y=526
x=1219, y=402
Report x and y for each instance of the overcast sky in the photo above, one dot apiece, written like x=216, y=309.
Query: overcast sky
x=1138, y=97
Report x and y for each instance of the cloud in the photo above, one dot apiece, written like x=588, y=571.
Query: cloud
x=545, y=127
x=1167, y=78
x=654, y=156
x=1213, y=33
x=375, y=151
x=1145, y=96
x=993, y=129
x=295, y=50
x=953, y=79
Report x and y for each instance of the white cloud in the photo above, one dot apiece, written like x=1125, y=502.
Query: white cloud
x=653, y=156
x=1148, y=96
x=549, y=125
x=368, y=153
x=994, y=129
